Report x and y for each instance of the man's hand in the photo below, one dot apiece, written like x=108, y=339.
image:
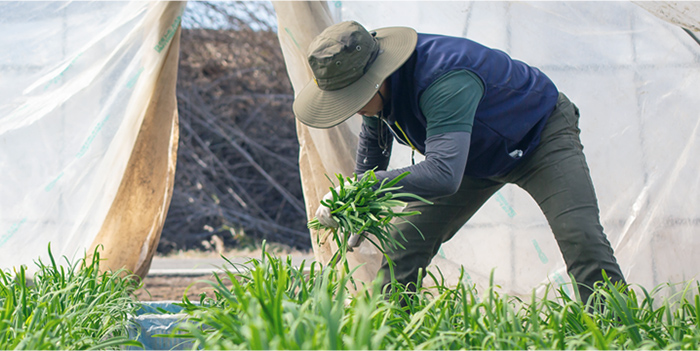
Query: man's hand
x=324, y=216
x=323, y=213
x=355, y=240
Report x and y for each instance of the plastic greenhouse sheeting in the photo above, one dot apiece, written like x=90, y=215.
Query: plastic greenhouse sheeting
x=635, y=78
x=81, y=91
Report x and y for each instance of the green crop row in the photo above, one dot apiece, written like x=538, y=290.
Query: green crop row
x=269, y=303
x=71, y=306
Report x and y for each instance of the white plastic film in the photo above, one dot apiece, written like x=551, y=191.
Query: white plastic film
x=635, y=79
x=680, y=13
x=76, y=79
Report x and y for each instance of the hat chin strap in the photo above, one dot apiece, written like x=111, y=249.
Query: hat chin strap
x=382, y=139
x=381, y=97
x=381, y=112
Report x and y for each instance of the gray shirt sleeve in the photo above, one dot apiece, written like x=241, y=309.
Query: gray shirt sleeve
x=440, y=174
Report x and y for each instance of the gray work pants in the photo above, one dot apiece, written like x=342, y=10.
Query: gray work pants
x=555, y=175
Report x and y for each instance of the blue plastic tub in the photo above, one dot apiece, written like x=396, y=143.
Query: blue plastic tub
x=151, y=321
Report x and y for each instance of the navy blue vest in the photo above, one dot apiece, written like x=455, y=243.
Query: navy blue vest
x=516, y=103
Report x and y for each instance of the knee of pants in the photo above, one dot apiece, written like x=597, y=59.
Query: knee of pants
x=587, y=252
x=582, y=241
x=580, y=229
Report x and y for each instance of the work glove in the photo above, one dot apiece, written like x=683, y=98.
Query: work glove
x=324, y=216
x=323, y=213
x=355, y=240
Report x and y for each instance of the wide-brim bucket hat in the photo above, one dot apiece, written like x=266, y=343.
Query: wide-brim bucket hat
x=349, y=65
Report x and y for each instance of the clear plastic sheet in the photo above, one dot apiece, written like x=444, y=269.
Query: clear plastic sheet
x=76, y=79
x=635, y=78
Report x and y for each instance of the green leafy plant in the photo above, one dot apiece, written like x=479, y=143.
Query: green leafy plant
x=367, y=207
x=273, y=304
x=66, y=307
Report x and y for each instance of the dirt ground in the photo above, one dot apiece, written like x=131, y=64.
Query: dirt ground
x=172, y=288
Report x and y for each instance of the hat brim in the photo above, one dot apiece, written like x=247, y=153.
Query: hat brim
x=325, y=109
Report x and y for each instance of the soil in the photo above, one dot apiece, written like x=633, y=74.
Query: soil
x=173, y=288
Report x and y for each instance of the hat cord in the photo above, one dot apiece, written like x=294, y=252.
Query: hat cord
x=382, y=139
